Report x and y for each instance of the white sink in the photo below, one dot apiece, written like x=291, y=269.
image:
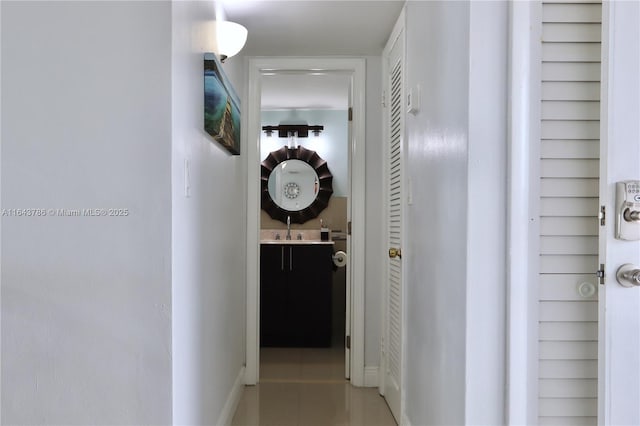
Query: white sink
x=298, y=236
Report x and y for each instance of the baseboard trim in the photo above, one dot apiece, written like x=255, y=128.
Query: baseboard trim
x=232, y=401
x=371, y=377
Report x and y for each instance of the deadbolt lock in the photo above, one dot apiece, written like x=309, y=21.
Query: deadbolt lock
x=628, y=210
x=395, y=252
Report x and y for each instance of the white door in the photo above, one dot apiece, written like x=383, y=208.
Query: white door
x=619, y=306
x=394, y=199
x=347, y=319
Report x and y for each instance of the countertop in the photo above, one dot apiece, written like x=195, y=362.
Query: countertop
x=297, y=242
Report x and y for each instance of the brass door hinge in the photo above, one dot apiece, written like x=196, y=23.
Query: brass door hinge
x=350, y=113
x=348, y=342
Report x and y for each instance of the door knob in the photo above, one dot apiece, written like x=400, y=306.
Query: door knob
x=628, y=275
x=395, y=252
x=631, y=215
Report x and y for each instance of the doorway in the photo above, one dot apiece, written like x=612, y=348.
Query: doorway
x=302, y=291
x=275, y=68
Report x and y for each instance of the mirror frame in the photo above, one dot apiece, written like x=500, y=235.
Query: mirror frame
x=325, y=180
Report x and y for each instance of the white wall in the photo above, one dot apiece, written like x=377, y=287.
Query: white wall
x=374, y=239
x=436, y=228
x=208, y=239
x=86, y=301
x=487, y=214
x=454, y=297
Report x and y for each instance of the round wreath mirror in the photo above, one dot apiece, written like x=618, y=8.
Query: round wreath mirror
x=297, y=183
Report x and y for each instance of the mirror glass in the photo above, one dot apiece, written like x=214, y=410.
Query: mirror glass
x=293, y=185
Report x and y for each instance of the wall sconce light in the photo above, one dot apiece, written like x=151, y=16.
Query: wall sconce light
x=301, y=130
x=228, y=38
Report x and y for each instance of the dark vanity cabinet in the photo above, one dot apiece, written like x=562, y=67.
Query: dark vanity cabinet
x=295, y=295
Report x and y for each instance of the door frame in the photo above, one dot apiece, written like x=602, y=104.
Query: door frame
x=397, y=36
x=618, y=342
x=356, y=67
x=523, y=192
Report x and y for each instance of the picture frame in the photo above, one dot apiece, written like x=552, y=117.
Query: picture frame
x=221, y=106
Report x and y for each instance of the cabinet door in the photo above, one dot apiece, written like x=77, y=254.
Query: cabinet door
x=309, y=295
x=273, y=296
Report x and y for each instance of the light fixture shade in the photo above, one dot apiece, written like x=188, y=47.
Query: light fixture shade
x=228, y=38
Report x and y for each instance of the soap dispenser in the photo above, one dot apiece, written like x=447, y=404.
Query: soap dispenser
x=324, y=232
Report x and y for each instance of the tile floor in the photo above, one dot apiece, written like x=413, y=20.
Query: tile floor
x=306, y=387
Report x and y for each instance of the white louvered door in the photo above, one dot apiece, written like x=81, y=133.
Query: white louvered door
x=569, y=170
x=394, y=291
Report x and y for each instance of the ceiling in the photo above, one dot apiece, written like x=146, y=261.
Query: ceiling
x=312, y=28
x=305, y=91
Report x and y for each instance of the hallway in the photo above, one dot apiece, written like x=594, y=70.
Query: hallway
x=304, y=387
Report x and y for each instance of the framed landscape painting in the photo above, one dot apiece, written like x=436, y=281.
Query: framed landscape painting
x=221, y=106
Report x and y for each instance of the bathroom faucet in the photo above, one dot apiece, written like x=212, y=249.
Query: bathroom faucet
x=288, y=227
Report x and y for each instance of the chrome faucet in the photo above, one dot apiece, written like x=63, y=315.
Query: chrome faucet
x=288, y=227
